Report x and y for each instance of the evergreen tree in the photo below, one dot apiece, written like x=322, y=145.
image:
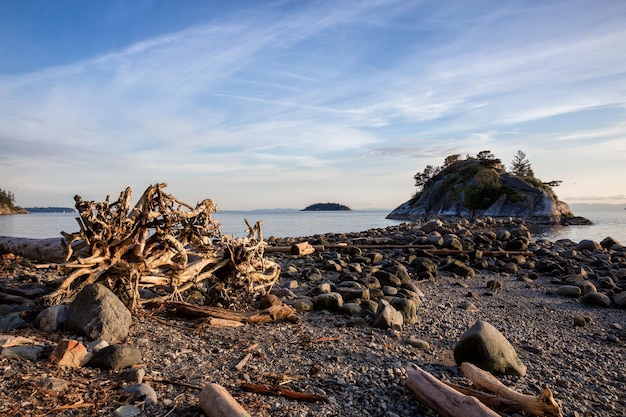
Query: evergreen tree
x=520, y=165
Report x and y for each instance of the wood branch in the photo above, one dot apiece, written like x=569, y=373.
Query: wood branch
x=278, y=390
x=442, y=399
x=216, y=401
x=268, y=315
x=492, y=401
x=541, y=405
x=302, y=249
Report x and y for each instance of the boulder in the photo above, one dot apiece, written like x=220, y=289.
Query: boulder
x=387, y=317
x=484, y=346
x=97, y=313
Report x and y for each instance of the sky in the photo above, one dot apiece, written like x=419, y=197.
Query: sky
x=282, y=104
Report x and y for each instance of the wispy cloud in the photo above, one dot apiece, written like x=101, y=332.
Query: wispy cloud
x=285, y=89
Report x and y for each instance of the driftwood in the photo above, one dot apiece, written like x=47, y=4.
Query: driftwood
x=449, y=400
x=160, y=243
x=278, y=390
x=268, y=315
x=444, y=400
x=541, y=405
x=216, y=401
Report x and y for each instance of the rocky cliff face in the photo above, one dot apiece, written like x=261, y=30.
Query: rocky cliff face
x=468, y=189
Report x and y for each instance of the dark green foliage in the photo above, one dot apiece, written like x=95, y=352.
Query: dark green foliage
x=6, y=198
x=327, y=207
x=520, y=165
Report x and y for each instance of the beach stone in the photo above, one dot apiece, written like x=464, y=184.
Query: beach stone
x=142, y=392
x=69, y=353
x=387, y=316
x=329, y=301
x=608, y=243
x=115, y=357
x=467, y=306
x=97, y=313
x=387, y=278
x=349, y=294
x=389, y=290
x=459, y=268
x=431, y=226
x=29, y=353
x=589, y=245
x=509, y=268
x=569, y=291
x=369, y=306
x=52, y=318
x=484, y=346
x=417, y=343
x=127, y=411
x=620, y=299
x=579, y=320
x=302, y=304
x=408, y=309
x=596, y=299
x=133, y=375
x=424, y=265
x=375, y=257
x=413, y=288
x=350, y=309
x=12, y=321
x=323, y=288
x=370, y=282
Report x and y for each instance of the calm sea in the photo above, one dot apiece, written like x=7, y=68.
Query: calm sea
x=609, y=220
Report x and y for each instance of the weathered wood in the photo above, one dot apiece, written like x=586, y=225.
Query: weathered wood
x=302, y=249
x=48, y=250
x=216, y=401
x=541, y=405
x=441, y=398
x=278, y=390
x=490, y=400
x=268, y=315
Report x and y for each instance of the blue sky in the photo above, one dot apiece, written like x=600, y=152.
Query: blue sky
x=265, y=104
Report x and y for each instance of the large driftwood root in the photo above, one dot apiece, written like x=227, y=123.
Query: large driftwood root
x=160, y=244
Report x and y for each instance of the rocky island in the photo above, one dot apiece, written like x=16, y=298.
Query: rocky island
x=327, y=207
x=480, y=187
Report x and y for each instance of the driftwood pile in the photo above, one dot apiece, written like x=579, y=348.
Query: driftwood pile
x=164, y=245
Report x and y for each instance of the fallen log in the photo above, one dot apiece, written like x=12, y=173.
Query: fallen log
x=444, y=400
x=216, y=401
x=541, y=405
x=492, y=401
x=49, y=250
x=268, y=315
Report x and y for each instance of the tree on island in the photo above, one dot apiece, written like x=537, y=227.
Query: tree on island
x=327, y=207
x=520, y=165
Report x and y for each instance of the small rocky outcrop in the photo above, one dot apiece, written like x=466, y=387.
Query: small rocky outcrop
x=327, y=207
x=475, y=188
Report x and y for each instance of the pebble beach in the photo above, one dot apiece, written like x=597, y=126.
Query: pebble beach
x=559, y=304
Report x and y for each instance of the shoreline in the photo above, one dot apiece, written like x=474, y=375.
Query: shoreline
x=575, y=349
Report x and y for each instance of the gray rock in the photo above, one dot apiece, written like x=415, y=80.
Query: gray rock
x=417, y=343
x=331, y=301
x=484, y=346
x=302, y=304
x=115, y=357
x=620, y=299
x=569, y=291
x=349, y=294
x=29, y=353
x=52, y=318
x=97, y=313
x=407, y=307
x=589, y=245
x=387, y=316
x=596, y=299
x=369, y=306
x=350, y=309
x=127, y=411
x=12, y=321
x=323, y=288
x=387, y=278
x=142, y=392
x=459, y=268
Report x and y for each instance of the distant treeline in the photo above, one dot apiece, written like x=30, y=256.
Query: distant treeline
x=327, y=207
x=50, y=210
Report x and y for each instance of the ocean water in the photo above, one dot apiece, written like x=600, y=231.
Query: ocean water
x=608, y=220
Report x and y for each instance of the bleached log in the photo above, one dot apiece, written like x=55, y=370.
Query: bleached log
x=541, y=405
x=48, y=250
x=268, y=315
x=302, y=249
x=441, y=398
x=216, y=401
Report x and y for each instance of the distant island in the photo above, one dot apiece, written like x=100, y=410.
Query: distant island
x=50, y=210
x=327, y=207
